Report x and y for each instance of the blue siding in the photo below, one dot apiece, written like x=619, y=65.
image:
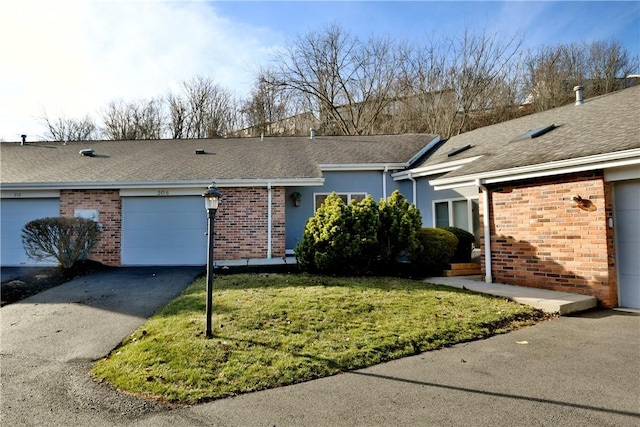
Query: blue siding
x=369, y=182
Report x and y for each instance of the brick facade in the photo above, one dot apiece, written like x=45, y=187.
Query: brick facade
x=242, y=223
x=539, y=239
x=109, y=207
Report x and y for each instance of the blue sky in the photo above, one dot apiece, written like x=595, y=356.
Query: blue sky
x=70, y=57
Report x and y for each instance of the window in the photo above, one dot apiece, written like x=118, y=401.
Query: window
x=461, y=213
x=346, y=197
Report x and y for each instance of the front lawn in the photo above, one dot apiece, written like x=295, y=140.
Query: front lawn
x=272, y=330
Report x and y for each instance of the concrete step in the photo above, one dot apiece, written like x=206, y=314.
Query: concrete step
x=548, y=301
x=463, y=269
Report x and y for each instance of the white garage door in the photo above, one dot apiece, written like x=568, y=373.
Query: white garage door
x=627, y=220
x=14, y=215
x=164, y=231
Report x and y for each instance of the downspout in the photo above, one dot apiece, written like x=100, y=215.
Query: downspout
x=487, y=232
x=269, y=219
x=384, y=182
x=415, y=190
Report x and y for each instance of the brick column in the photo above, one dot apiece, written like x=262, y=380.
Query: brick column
x=109, y=207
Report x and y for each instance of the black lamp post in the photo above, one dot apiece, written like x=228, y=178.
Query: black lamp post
x=211, y=200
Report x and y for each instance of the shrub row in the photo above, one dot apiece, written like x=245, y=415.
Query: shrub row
x=365, y=237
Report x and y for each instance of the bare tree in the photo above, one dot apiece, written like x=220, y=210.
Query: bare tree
x=608, y=64
x=69, y=129
x=553, y=71
x=267, y=106
x=346, y=82
x=133, y=120
x=445, y=84
x=203, y=110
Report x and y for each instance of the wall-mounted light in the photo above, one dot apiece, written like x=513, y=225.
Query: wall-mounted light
x=584, y=204
x=296, y=197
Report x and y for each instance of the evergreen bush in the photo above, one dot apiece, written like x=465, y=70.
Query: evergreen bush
x=465, y=244
x=437, y=247
x=340, y=238
x=400, y=222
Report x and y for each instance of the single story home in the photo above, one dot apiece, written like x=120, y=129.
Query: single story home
x=553, y=198
x=147, y=194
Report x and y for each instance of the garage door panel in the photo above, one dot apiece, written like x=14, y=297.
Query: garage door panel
x=628, y=226
x=15, y=214
x=163, y=231
x=627, y=196
x=627, y=232
x=628, y=259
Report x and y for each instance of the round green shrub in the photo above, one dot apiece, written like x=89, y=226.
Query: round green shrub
x=465, y=244
x=340, y=238
x=438, y=246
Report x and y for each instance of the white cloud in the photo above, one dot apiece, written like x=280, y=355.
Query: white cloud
x=71, y=58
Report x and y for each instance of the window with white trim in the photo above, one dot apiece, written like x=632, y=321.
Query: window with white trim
x=346, y=197
x=461, y=213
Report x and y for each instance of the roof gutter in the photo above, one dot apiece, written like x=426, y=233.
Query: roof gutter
x=229, y=183
x=327, y=167
x=438, y=169
x=599, y=161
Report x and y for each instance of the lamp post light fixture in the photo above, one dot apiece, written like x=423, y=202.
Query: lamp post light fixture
x=211, y=201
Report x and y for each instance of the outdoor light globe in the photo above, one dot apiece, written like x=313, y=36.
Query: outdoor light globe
x=211, y=197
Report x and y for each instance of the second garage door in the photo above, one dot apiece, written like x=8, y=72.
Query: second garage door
x=627, y=220
x=164, y=231
x=14, y=215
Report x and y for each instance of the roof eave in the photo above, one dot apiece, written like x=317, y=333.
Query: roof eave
x=262, y=182
x=430, y=170
x=350, y=167
x=581, y=164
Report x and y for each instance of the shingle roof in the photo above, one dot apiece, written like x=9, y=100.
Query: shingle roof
x=176, y=160
x=605, y=124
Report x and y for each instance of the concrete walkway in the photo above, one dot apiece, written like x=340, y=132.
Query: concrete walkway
x=548, y=301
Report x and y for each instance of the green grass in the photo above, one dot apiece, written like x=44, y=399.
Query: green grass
x=272, y=330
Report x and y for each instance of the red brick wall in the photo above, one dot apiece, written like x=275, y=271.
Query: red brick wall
x=539, y=239
x=241, y=225
x=107, y=202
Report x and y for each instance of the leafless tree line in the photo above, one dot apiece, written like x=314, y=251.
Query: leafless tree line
x=342, y=85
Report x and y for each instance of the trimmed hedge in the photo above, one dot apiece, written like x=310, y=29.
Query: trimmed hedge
x=438, y=246
x=465, y=244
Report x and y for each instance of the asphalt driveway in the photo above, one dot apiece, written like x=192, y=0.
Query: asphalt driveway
x=578, y=370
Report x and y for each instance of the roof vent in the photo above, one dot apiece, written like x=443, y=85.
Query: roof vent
x=87, y=152
x=24, y=139
x=534, y=133
x=578, y=91
x=458, y=150
x=313, y=133
x=199, y=150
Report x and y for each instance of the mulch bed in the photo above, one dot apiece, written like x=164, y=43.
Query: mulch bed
x=20, y=288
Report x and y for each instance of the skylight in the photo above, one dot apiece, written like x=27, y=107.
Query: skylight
x=534, y=133
x=458, y=150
